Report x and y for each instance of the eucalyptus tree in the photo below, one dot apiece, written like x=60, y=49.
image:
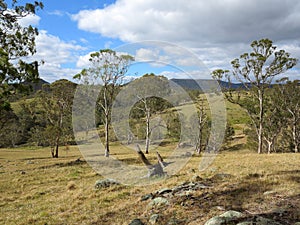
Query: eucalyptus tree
x=289, y=94
x=150, y=90
x=256, y=72
x=55, y=103
x=202, y=121
x=275, y=119
x=107, y=69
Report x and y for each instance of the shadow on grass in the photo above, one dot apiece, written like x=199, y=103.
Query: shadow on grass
x=253, y=196
x=65, y=164
x=233, y=148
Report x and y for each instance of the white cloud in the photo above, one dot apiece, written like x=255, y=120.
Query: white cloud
x=163, y=53
x=195, y=75
x=58, y=56
x=194, y=22
x=217, y=31
x=83, y=61
x=52, y=72
x=57, y=13
x=108, y=44
x=52, y=49
x=30, y=19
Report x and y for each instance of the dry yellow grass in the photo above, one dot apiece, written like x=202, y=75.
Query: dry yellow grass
x=36, y=189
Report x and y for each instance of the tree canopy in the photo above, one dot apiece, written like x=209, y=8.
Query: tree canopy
x=16, y=42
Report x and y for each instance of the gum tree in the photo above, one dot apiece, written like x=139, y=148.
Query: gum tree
x=149, y=91
x=256, y=72
x=107, y=69
x=56, y=101
x=289, y=94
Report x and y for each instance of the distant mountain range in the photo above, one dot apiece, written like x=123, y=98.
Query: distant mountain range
x=36, y=85
x=188, y=84
x=204, y=84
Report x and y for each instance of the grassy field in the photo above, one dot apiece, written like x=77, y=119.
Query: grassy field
x=36, y=189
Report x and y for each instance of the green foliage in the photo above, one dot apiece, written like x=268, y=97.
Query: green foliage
x=16, y=42
x=173, y=124
x=286, y=97
x=47, y=118
x=107, y=71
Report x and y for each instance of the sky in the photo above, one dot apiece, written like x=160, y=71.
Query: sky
x=174, y=38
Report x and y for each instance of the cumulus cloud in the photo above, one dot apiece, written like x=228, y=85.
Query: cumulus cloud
x=194, y=22
x=56, y=53
x=30, y=19
x=83, y=61
x=52, y=49
x=52, y=72
x=217, y=30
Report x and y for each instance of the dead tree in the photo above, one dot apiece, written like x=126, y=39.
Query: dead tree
x=160, y=160
x=153, y=170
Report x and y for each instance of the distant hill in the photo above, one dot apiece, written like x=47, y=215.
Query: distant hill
x=203, y=84
x=36, y=85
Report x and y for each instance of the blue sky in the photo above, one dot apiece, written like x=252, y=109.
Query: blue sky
x=187, y=38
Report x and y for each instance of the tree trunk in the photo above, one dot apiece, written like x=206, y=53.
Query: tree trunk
x=147, y=131
x=55, y=154
x=269, y=146
x=160, y=160
x=199, y=142
x=261, y=117
x=295, y=139
x=106, y=136
x=56, y=151
x=52, y=151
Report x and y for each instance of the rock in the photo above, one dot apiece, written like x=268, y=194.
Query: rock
x=265, y=221
x=217, y=220
x=153, y=219
x=269, y=192
x=186, y=193
x=159, y=201
x=231, y=217
x=222, y=176
x=136, y=222
x=105, y=183
x=146, y=197
x=189, y=186
x=232, y=214
x=164, y=191
x=225, y=218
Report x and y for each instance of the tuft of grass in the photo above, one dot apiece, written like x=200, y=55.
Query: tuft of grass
x=71, y=186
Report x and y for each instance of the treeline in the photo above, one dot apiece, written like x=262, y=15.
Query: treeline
x=43, y=120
